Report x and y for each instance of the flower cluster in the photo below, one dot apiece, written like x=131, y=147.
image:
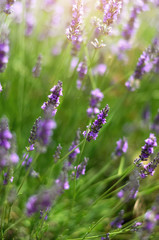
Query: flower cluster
x=122, y=147
x=53, y=101
x=41, y=133
x=96, y=98
x=147, y=149
x=8, y=156
x=8, y=6
x=82, y=71
x=151, y=220
x=118, y=221
x=111, y=11
x=4, y=50
x=149, y=168
x=144, y=65
x=74, y=31
x=72, y=156
x=106, y=237
x=97, y=124
x=80, y=169
x=131, y=189
x=149, y=60
x=56, y=156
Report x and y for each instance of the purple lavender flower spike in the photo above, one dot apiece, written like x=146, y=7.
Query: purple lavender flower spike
x=96, y=98
x=111, y=11
x=106, y=237
x=131, y=189
x=8, y=156
x=1, y=89
x=118, y=221
x=97, y=124
x=81, y=168
x=122, y=146
x=53, y=101
x=149, y=168
x=72, y=156
x=8, y=6
x=74, y=31
x=147, y=149
x=100, y=69
x=82, y=71
x=56, y=156
x=4, y=51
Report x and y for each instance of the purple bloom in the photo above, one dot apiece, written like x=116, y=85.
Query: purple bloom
x=41, y=133
x=100, y=69
x=122, y=146
x=106, y=237
x=118, y=221
x=53, y=99
x=97, y=124
x=8, y=6
x=56, y=156
x=82, y=71
x=74, y=31
x=8, y=154
x=111, y=11
x=72, y=156
x=147, y=149
x=96, y=98
x=131, y=189
x=81, y=168
x=149, y=168
x=1, y=88
x=4, y=51
x=30, y=24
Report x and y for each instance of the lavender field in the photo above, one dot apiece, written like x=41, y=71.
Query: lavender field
x=79, y=119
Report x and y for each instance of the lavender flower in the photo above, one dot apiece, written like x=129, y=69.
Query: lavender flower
x=146, y=63
x=97, y=124
x=131, y=189
x=74, y=31
x=82, y=71
x=37, y=69
x=81, y=168
x=4, y=50
x=8, y=156
x=118, y=221
x=1, y=88
x=96, y=98
x=149, y=168
x=106, y=237
x=41, y=133
x=8, y=6
x=56, y=156
x=111, y=11
x=122, y=146
x=100, y=69
x=27, y=161
x=53, y=101
x=151, y=220
x=72, y=156
x=147, y=149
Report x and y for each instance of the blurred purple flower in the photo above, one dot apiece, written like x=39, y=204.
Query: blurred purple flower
x=96, y=98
